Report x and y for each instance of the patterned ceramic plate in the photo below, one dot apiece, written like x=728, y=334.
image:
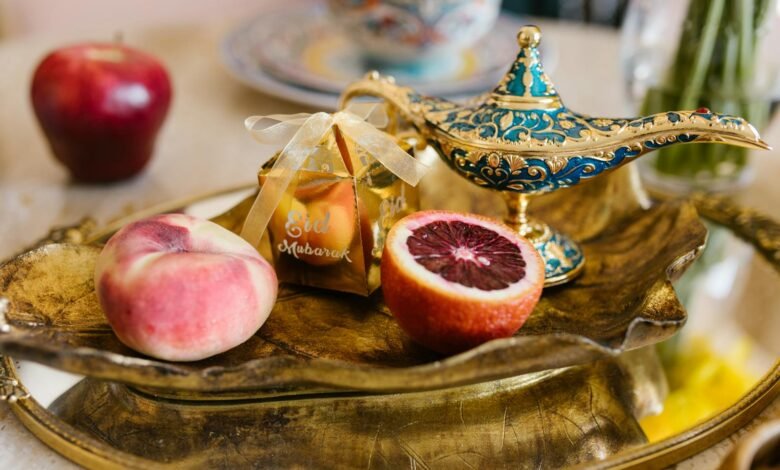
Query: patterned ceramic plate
x=312, y=62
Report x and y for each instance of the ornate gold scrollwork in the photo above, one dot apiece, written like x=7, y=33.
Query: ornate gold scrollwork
x=10, y=389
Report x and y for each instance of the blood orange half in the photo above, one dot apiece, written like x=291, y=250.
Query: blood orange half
x=454, y=281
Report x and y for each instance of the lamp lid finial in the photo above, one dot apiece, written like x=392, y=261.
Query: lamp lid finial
x=526, y=79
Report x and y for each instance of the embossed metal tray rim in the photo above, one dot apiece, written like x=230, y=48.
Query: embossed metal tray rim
x=92, y=453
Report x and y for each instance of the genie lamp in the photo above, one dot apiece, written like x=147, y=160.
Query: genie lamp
x=522, y=140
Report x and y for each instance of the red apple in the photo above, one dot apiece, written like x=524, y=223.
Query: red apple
x=182, y=289
x=100, y=106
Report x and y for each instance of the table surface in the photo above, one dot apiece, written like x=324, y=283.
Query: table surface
x=203, y=146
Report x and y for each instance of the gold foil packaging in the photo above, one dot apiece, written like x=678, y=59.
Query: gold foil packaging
x=333, y=212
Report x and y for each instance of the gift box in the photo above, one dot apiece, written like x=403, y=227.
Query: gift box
x=328, y=199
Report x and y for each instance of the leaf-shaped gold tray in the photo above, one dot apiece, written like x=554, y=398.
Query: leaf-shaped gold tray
x=623, y=300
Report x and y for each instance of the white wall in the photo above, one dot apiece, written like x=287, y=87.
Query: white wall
x=24, y=17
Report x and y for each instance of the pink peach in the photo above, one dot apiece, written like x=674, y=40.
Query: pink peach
x=180, y=288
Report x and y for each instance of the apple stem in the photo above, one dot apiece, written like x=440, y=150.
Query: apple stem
x=119, y=37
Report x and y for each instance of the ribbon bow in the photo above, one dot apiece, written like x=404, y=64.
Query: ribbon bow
x=302, y=133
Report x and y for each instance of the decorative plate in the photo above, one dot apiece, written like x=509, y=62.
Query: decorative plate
x=298, y=52
x=623, y=300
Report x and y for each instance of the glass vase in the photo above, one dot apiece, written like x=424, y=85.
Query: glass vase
x=714, y=54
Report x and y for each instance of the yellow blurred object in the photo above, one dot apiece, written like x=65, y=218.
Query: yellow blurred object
x=702, y=382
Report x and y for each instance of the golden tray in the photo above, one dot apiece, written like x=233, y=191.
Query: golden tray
x=623, y=301
x=279, y=404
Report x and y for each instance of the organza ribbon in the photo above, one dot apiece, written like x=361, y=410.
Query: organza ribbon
x=302, y=134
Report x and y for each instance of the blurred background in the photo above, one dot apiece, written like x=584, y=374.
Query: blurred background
x=21, y=17
x=229, y=59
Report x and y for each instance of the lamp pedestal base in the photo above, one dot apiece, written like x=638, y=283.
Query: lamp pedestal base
x=563, y=257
